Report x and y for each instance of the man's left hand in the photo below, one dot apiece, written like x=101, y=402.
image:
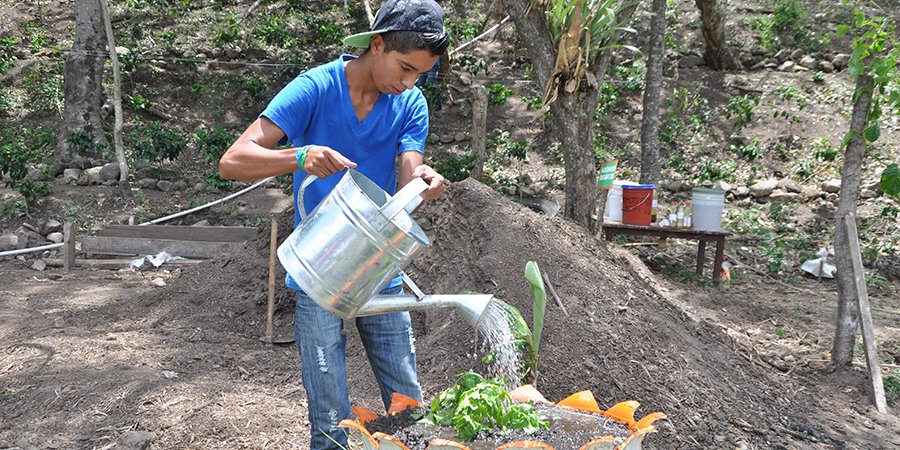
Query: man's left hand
x=435, y=181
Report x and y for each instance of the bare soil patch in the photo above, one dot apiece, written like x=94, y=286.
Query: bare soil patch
x=89, y=355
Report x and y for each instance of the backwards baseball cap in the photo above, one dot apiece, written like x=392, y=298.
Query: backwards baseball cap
x=425, y=16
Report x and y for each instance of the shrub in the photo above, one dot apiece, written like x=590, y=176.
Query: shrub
x=156, y=143
x=741, y=107
x=213, y=143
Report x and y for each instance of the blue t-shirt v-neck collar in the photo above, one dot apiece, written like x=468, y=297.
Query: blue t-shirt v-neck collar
x=350, y=116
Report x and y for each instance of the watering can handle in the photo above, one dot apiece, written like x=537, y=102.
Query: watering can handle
x=306, y=182
x=406, y=200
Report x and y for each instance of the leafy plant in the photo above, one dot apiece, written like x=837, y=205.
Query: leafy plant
x=139, y=103
x=156, y=142
x=749, y=151
x=473, y=64
x=498, y=93
x=325, y=31
x=740, y=107
x=7, y=55
x=714, y=170
x=822, y=149
x=213, y=143
x=528, y=339
x=474, y=404
x=890, y=181
x=44, y=88
x=455, y=167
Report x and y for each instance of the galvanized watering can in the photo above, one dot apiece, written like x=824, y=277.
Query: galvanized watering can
x=355, y=242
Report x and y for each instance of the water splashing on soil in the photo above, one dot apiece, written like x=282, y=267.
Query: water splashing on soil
x=499, y=341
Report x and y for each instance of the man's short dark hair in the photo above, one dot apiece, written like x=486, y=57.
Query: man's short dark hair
x=407, y=41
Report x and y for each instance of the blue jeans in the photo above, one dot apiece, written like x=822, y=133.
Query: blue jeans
x=390, y=346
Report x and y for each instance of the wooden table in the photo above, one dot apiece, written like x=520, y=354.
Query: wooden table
x=612, y=229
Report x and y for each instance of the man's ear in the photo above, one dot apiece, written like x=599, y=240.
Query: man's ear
x=376, y=44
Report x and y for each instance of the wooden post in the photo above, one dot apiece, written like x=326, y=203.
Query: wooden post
x=69, y=246
x=479, y=130
x=270, y=310
x=865, y=314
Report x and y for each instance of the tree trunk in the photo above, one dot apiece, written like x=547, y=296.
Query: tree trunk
x=83, y=81
x=117, y=92
x=574, y=121
x=848, y=312
x=656, y=55
x=718, y=55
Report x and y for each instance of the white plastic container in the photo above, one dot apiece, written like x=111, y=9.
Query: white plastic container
x=707, y=207
x=613, y=210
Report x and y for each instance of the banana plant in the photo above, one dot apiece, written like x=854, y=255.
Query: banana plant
x=529, y=339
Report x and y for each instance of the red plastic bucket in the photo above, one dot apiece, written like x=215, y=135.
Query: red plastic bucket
x=637, y=204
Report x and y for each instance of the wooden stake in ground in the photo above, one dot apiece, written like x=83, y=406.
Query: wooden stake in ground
x=479, y=130
x=553, y=293
x=69, y=247
x=270, y=310
x=865, y=314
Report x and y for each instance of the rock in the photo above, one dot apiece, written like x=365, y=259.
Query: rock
x=798, y=68
x=787, y=66
x=180, y=185
x=782, y=55
x=446, y=139
x=48, y=226
x=673, y=185
x=39, y=265
x=93, y=175
x=232, y=52
x=789, y=185
x=783, y=197
x=796, y=54
x=122, y=51
x=763, y=188
x=809, y=192
x=840, y=61
x=55, y=238
x=71, y=175
x=109, y=172
x=826, y=66
x=202, y=223
x=760, y=65
x=741, y=191
x=688, y=61
x=868, y=193
x=158, y=282
x=165, y=186
x=212, y=190
x=59, y=322
x=808, y=61
x=722, y=185
x=28, y=239
x=23, y=444
x=8, y=242
x=831, y=186
x=134, y=440
x=459, y=137
x=832, y=198
x=147, y=183
x=79, y=162
x=199, y=186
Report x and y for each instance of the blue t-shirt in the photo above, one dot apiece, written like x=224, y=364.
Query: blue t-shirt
x=315, y=109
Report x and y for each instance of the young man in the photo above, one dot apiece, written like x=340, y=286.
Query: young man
x=360, y=113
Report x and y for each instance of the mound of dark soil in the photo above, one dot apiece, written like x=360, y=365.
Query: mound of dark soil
x=625, y=338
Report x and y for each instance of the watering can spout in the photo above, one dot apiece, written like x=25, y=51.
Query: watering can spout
x=471, y=307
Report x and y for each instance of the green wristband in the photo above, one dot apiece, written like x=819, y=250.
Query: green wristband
x=301, y=156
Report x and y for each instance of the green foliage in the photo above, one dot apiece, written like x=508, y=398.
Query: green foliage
x=44, y=88
x=628, y=78
x=498, y=93
x=139, y=103
x=740, y=107
x=218, y=182
x=7, y=54
x=455, y=167
x=213, y=143
x=226, y=30
x=539, y=292
x=81, y=143
x=712, y=169
x=272, y=30
x=474, y=404
x=463, y=29
x=472, y=64
x=790, y=98
x=155, y=143
x=19, y=151
x=788, y=26
x=686, y=112
x=34, y=36
x=776, y=255
x=890, y=181
x=822, y=149
x=597, y=17
x=325, y=30
x=749, y=151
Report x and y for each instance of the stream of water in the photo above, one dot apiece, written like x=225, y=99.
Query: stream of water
x=498, y=338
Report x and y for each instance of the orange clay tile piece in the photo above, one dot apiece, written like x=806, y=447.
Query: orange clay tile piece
x=646, y=424
x=442, y=444
x=347, y=423
x=363, y=415
x=527, y=393
x=400, y=402
x=583, y=401
x=524, y=444
x=623, y=412
x=384, y=440
x=596, y=443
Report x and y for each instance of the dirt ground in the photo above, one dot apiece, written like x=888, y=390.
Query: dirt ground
x=91, y=354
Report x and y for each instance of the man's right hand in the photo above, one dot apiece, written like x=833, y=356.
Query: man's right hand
x=322, y=161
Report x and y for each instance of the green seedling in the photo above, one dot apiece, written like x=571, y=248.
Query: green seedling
x=525, y=339
x=474, y=404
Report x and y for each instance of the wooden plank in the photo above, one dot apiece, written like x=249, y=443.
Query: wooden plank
x=140, y=246
x=180, y=232
x=866, y=324
x=115, y=263
x=69, y=247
